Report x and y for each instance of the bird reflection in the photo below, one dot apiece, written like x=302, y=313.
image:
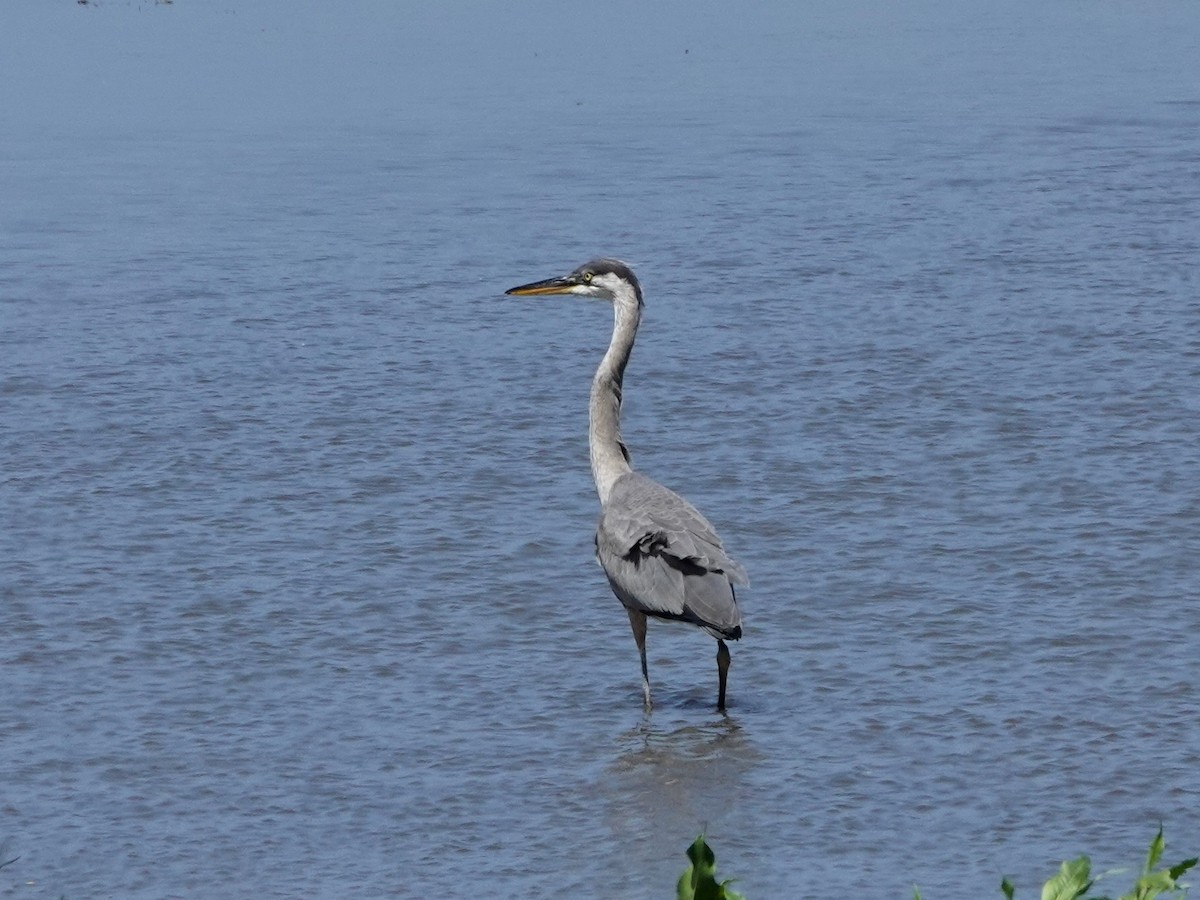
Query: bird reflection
x=722, y=739
x=667, y=784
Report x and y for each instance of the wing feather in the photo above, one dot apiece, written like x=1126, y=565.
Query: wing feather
x=665, y=559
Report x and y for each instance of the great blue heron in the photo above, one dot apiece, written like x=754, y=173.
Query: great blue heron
x=663, y=559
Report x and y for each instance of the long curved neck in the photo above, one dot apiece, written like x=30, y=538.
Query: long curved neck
x=610, y=459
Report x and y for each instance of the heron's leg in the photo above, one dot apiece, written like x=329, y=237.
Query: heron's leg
x=722, y=672
x=637, y=621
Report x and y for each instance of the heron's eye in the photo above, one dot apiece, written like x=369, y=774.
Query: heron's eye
x=587, y=277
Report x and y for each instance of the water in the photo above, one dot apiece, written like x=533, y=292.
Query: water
x=297, y=588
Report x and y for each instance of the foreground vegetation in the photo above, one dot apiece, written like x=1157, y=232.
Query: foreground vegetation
x=1073, y=881
x=699, y=880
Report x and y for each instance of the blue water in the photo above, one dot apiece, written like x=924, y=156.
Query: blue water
x=297, y=595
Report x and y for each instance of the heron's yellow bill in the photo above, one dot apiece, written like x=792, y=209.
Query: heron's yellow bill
x=548, y=286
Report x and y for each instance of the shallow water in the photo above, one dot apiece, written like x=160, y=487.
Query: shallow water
x=298, y=596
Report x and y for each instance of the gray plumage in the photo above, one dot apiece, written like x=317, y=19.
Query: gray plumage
x=662, y=557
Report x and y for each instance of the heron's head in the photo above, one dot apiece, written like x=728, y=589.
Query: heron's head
x=604, y=279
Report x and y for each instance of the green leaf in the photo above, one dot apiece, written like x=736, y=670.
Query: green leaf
x=1006, y=887
x=1179, y=868
x=1149, y=886
x=1071, y=881
x=1153, y=884
x=701, y=854
x=684, y=889
x=698, y=881
x=1154, y=854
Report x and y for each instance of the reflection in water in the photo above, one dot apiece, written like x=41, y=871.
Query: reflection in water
x=669, y=781
x=648, y=747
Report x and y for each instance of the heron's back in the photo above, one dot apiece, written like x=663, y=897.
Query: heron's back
x=664, y=559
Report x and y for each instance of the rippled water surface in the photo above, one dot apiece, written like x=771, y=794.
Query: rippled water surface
x=297, y=595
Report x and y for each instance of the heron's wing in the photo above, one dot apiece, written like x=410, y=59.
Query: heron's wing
x=663, y=557
x=641, y=513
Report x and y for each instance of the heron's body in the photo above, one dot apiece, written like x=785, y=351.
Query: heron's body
x=662, y=557
x=664, y=560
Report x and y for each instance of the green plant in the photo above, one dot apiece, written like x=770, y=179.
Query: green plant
x=1074, y=879
x=698, y=882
